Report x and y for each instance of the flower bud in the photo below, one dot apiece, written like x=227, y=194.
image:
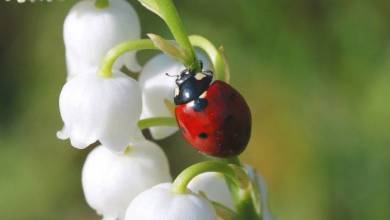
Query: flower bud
x=110, y=180
x=157, y=87
x=105, y=109
x=90, y=32
x=161, y=203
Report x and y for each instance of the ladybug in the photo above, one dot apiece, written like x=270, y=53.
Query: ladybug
x=213, y=117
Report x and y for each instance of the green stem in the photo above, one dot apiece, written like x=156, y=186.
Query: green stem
x=102, y=4
x=145, y=44
x=256, y=194
x=246, y=208
x=245, y=199
x=158, y=121
x=119, y=50
x=181, y=182
x=213, y=53
x=172, y=19
x=234, y=160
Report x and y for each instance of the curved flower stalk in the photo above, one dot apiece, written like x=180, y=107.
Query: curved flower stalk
x=90, y=32
x=96, y=108
x=157, y=88
x=160, y=203
x=111, y=181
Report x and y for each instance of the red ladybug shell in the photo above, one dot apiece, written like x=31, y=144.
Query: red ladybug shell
x=223, y=127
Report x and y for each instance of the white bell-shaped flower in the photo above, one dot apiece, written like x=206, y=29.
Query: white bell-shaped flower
x=96, y=108
x=157, y=87
x=161, y=203
x=90, y=32
x=111, y=181
x=214, y=186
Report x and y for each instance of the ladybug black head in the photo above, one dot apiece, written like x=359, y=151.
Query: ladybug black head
x=190, y=85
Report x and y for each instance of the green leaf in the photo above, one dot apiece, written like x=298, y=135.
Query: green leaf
x=168, y=47
x=152, y=6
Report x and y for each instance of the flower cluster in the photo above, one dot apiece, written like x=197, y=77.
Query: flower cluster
x=126, y=176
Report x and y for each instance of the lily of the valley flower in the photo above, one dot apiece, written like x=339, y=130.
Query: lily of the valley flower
x=157, y=88
x=111, y=181
x=161, y=203
x=106, y=109
x=90, y=32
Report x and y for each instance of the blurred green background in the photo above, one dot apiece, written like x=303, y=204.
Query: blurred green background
x=315, y=73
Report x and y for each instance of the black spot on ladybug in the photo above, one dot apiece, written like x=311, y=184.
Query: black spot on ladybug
x=203, y=135
x=200, y=104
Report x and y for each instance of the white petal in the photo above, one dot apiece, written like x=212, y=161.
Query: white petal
x=96, y=108
x=90, y=32
x=63, y=134
x=160, y=203
x=214, y=186
x=111, y=180
x=156, y=87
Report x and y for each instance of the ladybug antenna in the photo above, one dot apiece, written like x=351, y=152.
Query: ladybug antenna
x=208, y=72
x=167, y=74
